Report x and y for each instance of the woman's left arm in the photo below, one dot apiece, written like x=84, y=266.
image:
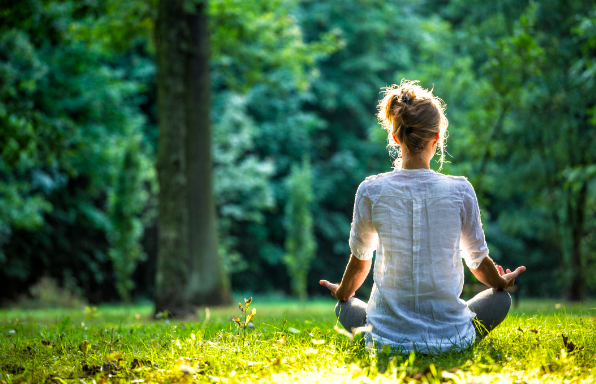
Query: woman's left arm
x=354, y=276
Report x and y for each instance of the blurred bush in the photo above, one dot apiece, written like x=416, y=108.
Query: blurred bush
x=47, y=293
x=300, y=241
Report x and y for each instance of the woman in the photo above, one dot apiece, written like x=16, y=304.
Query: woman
x=420, y=223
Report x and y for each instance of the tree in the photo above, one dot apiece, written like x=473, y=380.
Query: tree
x=189, y=271
x=300, y=240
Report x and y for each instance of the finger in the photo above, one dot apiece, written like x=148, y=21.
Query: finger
x=500, y=270
x=331, y=286
x=323, y=282
x=517, y=271
x=508, y=270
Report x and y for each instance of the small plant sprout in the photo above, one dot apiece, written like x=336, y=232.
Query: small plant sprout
x=244, y=323
x=91, y=313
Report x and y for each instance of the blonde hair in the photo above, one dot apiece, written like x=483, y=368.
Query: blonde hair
x=415, y=116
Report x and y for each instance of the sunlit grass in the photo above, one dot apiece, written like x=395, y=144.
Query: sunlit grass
x=291, y=341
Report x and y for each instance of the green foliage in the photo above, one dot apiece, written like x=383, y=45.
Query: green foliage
x=70, y=119
x=292, y=79
x=242, y=189
x=253, y=39
x=300, y=242
x=127, y=203
x=540, y=136
x=293, y=341
x=46, y=293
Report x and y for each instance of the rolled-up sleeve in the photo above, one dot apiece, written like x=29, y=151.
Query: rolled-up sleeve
x=473, y=243
x=363, y=235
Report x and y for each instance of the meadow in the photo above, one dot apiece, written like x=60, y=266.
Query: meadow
x=288, y=341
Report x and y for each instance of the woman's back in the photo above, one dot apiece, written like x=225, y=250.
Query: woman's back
x=420, y=217
x=422, y=223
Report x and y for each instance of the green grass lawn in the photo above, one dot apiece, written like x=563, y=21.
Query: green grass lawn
x=291, y=341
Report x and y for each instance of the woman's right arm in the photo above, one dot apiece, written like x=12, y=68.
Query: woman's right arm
x=475, y=248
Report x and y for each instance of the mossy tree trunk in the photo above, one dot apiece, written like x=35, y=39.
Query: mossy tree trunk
x=576, y=288
x=189, y=272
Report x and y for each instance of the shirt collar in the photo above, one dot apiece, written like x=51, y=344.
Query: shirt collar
x=414, y=171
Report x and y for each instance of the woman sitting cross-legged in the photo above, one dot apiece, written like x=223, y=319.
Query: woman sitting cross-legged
x=421, y=223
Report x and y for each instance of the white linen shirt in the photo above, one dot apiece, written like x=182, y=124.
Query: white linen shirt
x=418, y=220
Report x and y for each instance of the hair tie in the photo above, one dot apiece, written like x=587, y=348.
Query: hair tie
x=405, y=99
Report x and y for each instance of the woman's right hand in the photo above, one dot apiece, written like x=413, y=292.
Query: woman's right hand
x=508, y=276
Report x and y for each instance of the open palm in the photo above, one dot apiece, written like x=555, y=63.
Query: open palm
x=509, y=276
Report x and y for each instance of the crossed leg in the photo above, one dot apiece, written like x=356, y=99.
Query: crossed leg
x=490, y=306
x=351, y=313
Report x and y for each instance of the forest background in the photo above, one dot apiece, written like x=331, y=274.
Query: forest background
x=294, y=87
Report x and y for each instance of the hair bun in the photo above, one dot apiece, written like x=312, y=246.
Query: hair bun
x=412, y=117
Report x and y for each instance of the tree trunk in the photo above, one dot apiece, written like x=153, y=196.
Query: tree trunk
x=189, y=273
x=577, y=284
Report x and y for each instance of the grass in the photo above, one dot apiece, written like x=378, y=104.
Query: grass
x=291, y=341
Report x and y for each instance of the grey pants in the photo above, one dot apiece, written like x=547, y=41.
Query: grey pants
x=490, y=306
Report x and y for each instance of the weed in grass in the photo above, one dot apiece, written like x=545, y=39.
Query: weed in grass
x=244, y=324
x=117, y=345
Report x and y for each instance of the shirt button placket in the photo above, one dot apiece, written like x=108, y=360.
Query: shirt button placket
x=416, y=209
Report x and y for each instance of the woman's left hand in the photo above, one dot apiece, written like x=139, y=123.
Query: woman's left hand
x=354, y=276
x=334, y=288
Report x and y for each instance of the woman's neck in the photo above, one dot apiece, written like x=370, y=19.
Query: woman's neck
x=418, y=160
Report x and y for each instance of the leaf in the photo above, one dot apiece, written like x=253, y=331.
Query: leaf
x=113, y=356
x=142, y=363
x=135, y=363
x=237, y=320
x=251, y=315
x=247, y=302
x=84, y=346
x=547, y=368
x=568, y=344
x=293, y=330
x=89, y=370
x=318, y=342
x=534, y=330
x=519, y=329
x=250, y=325
x=241, y=307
